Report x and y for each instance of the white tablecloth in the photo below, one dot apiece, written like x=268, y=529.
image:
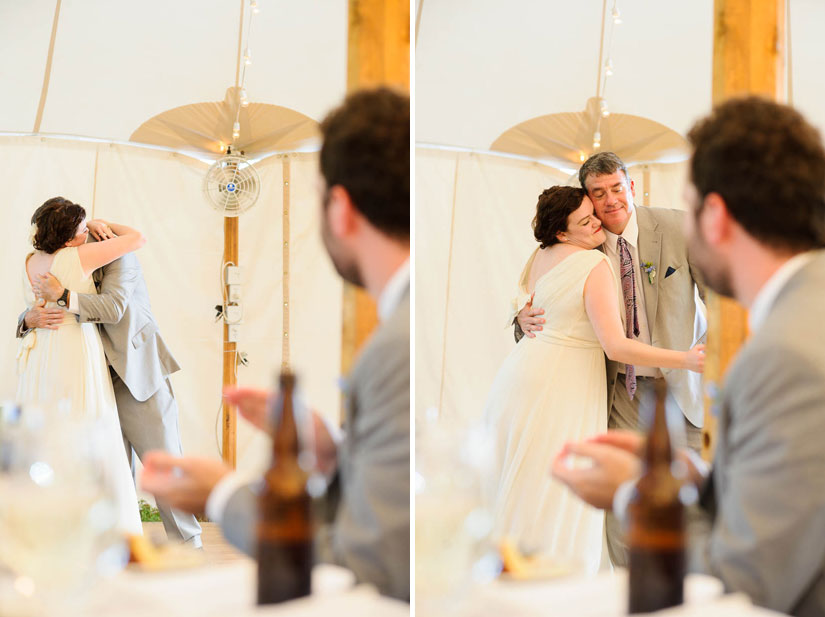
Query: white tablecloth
x=229, y=591
x=604, y=595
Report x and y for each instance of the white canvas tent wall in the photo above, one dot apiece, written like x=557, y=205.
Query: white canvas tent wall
x=483, y=67
x=117, y=65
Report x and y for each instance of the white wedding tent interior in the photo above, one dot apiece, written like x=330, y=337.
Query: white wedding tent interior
x=510, y=98
x=123, y=108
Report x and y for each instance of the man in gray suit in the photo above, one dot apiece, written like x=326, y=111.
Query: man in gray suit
x=139, y=361
x=756, y=231
x=668, y=315
x=365, y=226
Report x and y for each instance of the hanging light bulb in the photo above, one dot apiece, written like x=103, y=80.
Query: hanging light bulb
x=236, y=130
x=605, y=110
x=247, y=57
x=597, y=140
x=244, y=98
x=608, y=67
x=581, y=157
x=253, y=4
x=617, y=17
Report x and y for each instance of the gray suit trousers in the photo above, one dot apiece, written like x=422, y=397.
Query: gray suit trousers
x=150, y=425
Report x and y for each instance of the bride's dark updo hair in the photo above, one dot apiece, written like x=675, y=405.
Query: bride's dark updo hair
x=57, y=221
x=554, y=206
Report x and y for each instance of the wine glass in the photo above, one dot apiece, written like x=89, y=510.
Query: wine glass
x=57, y=517
x=452, y=518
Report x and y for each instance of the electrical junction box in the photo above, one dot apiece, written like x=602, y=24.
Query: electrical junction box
x=233, y=275
x=233, y=313
x=233, y=332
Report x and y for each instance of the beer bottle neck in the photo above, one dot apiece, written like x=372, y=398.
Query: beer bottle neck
x=285, y=442
x=658, y=449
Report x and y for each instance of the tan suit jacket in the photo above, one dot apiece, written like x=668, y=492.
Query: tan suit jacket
x=672, y=312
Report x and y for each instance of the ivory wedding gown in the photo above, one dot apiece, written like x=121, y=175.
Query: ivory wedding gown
x=67, y=366
x=550, y=389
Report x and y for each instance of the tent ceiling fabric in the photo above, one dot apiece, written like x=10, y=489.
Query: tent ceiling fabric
x=564, y=139
x=208, y=127
x=117, y=64
x=483, y=66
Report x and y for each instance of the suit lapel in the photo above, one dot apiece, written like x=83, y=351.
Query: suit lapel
x=650, y=250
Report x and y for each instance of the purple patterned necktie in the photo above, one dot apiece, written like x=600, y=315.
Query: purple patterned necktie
x=631, y=312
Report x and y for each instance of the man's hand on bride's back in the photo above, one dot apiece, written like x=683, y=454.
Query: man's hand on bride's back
x=47, y=286
x=529, y=320
x=39, y=316
x=696, y=358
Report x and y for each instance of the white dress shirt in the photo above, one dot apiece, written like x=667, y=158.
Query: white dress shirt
x=393, y=291
x=631, y=236
x=764, y=300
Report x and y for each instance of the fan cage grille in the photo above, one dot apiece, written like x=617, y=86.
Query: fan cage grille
x=232, y=185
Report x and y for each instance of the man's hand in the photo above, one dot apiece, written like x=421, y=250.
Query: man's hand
x=184, y=483
x=48, y=287
x=254, y=405
x=326, y=450
x=100, y=229
x=630, y=441
x=528, y=318
x=611, y=467
x=39, y=316
x=697, y=470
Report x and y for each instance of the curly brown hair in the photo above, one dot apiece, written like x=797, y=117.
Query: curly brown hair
x=366, y=150
x=554, y=206
x=768, y=164
x=57, y=221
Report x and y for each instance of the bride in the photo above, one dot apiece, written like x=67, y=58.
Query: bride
x=552, y=389
x=64, y=364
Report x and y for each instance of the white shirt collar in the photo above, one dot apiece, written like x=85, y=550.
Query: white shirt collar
x=767, y=295
x=630, y=233
x=393, y=291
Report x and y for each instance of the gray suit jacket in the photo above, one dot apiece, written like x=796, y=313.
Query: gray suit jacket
x=761, y=528
x=371, y=529
x=129, y=332
x=669, y=304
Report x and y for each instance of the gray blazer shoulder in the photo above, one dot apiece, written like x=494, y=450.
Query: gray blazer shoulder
x=371, y=534
x=129, y=332
x=765, y=506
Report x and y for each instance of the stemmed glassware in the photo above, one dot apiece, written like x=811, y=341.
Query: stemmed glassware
x=57, y=515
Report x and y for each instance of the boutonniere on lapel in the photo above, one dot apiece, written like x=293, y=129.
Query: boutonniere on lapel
x=651, y=271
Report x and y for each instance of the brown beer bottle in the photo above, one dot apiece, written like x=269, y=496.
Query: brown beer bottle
x=656, y=534
x=285, y=530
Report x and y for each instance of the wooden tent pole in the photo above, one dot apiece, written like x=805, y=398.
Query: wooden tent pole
x=378, y=53
x=748, y=58
x=229, y=416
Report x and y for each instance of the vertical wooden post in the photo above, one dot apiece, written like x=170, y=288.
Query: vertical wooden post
x=748, y=58
x=378, y=53
x=229, y=417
